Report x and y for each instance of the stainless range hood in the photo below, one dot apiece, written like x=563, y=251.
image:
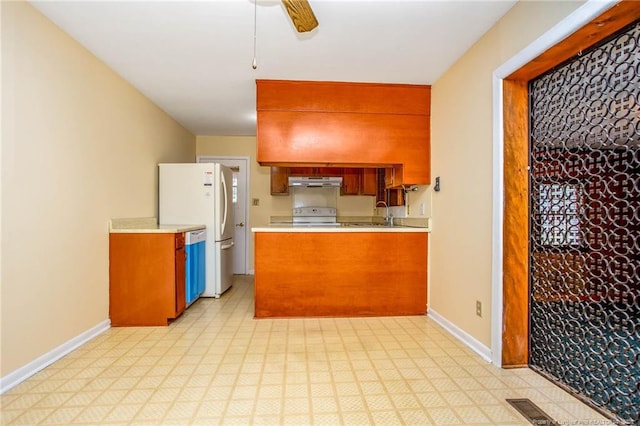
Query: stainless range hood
x=315, y=182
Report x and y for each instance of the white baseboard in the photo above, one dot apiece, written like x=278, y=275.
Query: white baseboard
x=21, y=374
x=470, y=341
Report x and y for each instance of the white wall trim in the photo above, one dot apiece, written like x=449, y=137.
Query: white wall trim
x=497, y=223
x=21, y=374
x=470, y=341
x=574, y=21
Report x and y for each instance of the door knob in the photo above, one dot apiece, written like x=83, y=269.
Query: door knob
x=241, y=224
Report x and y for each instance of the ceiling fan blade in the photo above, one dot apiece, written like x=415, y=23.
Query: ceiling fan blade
x=301, y=15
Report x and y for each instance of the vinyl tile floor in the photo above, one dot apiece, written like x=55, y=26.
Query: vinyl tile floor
x=216, y=364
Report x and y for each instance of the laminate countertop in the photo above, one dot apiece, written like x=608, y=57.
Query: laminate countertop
x=340, y=227
x=147, y=225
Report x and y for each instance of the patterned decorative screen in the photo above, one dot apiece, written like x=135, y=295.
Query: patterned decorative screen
x=585, y=225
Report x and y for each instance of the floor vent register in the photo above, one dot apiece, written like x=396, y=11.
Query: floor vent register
x=531, y=412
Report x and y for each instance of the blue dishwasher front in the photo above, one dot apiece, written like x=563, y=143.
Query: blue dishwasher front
x=195, y=267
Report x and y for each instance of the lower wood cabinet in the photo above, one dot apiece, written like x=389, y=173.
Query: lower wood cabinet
x=340, y=274
x=146, y=278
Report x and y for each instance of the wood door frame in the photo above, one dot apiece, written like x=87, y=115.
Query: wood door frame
x=586, y=26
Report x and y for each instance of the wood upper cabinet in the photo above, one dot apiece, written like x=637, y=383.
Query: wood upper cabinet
x=355, y=181
x=350, y=181
x=329, y=96
x=146, y=278
x=359, y=181
x=369, y=181
x=279, y=181
x=315, y=171
x=352, y=125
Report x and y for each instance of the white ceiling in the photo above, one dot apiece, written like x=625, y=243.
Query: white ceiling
x=193, y=58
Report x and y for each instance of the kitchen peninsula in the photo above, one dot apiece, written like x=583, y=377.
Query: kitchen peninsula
x=346, y=271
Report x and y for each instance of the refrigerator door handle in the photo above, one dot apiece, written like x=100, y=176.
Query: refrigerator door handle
x=227, y=246
x=223, y=183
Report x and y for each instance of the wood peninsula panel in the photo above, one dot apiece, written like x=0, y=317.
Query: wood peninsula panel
x=340, y=274
x=330, y=124
x=322, y=96
x=363, y=140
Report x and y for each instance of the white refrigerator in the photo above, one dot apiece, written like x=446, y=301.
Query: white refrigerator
x=201, y=193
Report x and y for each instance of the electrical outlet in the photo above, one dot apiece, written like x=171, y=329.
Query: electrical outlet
x=478, y=308
x=422, y=210
x=255, y=201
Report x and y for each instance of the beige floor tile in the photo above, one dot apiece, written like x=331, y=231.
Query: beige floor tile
x=93, y=414
x=503, y=414
x=405, y=401
x=360, y=417
x=321, y=389
x=123, y=413
x=62, y=416
x=152, y=412
x=352, y=403
x=444, y=416
x=472, y=415
x=431, y=399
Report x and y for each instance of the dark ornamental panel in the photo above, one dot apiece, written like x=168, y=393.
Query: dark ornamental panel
x=585, y=225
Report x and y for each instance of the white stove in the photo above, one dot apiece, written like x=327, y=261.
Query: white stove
x=315, y=216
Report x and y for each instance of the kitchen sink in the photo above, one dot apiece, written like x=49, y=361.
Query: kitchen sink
x=364, y=224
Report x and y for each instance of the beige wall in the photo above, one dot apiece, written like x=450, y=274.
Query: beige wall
x=461, y=120
x=79, y=146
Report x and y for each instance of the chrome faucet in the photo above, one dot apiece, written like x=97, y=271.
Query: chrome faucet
x=388, y=219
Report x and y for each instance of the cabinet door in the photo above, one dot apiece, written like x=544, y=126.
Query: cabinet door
x=395, y=197
x=180, y=266
x=350, y=181
x=301, y=171
x=328, y=171
x=181, y=290
x=143, y=284
x=368, y=181
x=388, y=177
x=279, y=181
x=393, y=176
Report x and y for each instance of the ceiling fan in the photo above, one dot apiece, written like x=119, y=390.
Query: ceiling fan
x=301, y=15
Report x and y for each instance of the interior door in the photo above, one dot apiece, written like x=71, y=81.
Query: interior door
x=239, y=166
